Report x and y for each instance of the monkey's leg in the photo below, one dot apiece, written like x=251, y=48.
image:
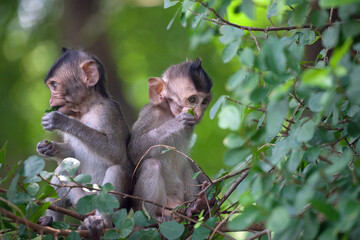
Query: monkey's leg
x=62, y=201
x=150, y=186
x=119, y=178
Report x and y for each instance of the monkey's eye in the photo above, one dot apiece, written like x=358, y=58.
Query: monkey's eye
x=53, y=85
x=192, y=99
x=205, y=101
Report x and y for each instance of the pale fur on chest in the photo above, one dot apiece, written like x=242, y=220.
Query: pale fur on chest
x=90, y=161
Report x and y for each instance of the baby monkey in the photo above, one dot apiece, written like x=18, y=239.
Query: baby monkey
x=178, y=101
x=93, y=129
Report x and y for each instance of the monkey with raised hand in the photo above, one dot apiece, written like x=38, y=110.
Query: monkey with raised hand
x=177, y=103
x=93, y=129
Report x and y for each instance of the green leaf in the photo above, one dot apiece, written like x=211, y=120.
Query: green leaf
x=236, y=80
x=247, y=57
x=295, y=159
x=319, y=18
x=140, y=219
x=107, y=187
x=215, y=108
x=339, y=163
x=229, y=118
x=233, y=141
x=272, y=10
x=12, y=190
x=274, y=55
x=51, y=109
x=86, y=204
x=3, y=154
x=169, y=3
x=278, y=220
x=70, y=165
x=173, y=18
x=38, y=212
x=32, y=166
x=301, y=13
x=306, y=131
x=311, y=226
x=335, y=3
x=106, y=203
x=276, y=113
x=111, y=234
x=48, y=191
x=60, y=225
x=247, y=7
x=316, y=102
x=236, y=156
x=230, y=51
x=201, y=232
x=259, y=95
x=325, y=208
x=196, y=174
x=32, y=189
x=73, y=236
x=331, y=36
x=83, y=178
x=317, y=78
x=118, y=217
x=146, y=234
x=244, y=220
x=171, y=230
x=339, y=53
x=126, y=227
x=230, y=34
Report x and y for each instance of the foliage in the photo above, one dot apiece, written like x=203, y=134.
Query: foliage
x=292, y=148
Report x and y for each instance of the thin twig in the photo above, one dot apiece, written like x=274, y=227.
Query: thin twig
x=223, y=221
x=235, y=101
x=232, y=188
x=267, y=29
x=256, y=42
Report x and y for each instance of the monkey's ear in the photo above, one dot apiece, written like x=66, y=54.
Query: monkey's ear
x=64, y=50
x=156, y=90
x=90, y=70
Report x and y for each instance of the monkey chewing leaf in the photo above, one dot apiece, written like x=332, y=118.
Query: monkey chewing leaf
x=93, y=130
x=178, y=101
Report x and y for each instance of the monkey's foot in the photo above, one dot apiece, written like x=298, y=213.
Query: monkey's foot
x=95, y=225
x=46, y=220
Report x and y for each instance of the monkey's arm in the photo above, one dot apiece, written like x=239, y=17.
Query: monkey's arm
x=146, y=135
x=98, y=141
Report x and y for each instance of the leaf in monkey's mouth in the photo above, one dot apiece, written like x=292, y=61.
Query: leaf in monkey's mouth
x=52, y=109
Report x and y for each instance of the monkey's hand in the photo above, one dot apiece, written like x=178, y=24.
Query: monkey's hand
x=45, y=221
x=186, y=120
x=95, y=225
x=47, y=148
x=54, y=121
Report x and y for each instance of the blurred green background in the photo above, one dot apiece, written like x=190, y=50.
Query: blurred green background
x=129, y=37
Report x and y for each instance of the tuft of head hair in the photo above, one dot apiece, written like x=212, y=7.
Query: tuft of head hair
x=71, y=60
x=192, y=70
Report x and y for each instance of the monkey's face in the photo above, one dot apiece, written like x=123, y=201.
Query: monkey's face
x=182, y=96
x=67, y=94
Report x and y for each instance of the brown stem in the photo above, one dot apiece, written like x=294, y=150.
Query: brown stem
x=235, y=101
x=232, y=188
